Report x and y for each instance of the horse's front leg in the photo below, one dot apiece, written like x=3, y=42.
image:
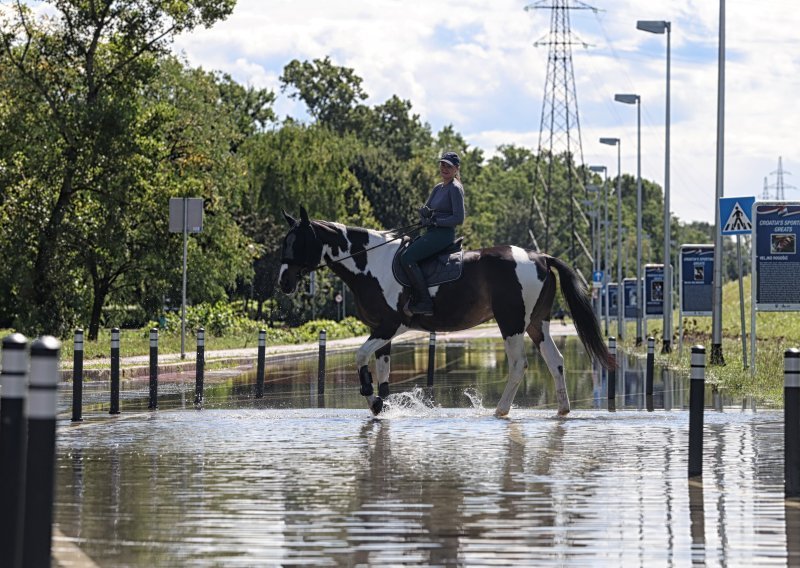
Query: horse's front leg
x=382, y=358
x=363, y=354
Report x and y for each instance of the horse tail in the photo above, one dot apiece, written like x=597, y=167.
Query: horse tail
x=582, y=313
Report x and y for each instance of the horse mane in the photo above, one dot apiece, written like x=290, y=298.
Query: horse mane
x=385, y=233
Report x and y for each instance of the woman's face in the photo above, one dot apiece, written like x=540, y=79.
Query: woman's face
x=447, y=172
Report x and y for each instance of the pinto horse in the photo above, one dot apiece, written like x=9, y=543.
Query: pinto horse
x=514, y=286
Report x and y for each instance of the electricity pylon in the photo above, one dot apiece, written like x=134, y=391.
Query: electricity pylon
x=559, y=129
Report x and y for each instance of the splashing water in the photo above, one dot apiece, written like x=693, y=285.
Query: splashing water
x=420, y=403
x=415, y=402
x=475, y=398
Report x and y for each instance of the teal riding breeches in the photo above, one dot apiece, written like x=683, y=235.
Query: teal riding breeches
x=434, y=240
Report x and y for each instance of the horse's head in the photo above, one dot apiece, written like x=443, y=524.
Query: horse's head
x=301, y=251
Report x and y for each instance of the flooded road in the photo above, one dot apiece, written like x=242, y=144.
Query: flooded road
x=297, y=480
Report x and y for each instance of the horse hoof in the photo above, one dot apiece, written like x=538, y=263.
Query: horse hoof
x=563, y=411
x=377, y=406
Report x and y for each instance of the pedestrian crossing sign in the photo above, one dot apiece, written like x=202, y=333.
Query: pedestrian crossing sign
x=734, y=215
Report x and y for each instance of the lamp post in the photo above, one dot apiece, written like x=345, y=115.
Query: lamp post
x=620, y=316
x=637, y=100
x=606, y=274
x=664, y=27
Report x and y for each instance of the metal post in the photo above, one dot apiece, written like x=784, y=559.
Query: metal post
x=791, y=423
x=696, y=403
x=183, y=287
x=666, y=346
x=612, y=373
x=431, y=357
x=40, y=474
x=651, y=342
x=321, y=365
x=13, y=441
x=741, y=300
x=200, y=367
x=640, y=287
x=114, y=371
x=153, y=369
x=77, y=376
x=717, y=357
x=606, y=270
x=262, y=351
x=620, y=296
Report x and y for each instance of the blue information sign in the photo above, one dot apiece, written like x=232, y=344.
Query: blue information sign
x=654, y=289
x=630, y=296
x=776, y=259
x=612, y=299
x=697, y=275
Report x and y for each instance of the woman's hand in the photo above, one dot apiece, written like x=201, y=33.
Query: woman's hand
x=425, y=212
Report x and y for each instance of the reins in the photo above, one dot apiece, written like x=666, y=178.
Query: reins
x=404, y=231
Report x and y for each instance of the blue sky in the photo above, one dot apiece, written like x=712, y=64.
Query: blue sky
x=472, y=64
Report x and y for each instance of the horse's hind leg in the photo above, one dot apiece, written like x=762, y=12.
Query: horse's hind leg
x=517, y=363
x=554, y=360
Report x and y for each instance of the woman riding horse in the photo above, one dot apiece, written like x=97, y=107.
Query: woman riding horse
x=442, y=212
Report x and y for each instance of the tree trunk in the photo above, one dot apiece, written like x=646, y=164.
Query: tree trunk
x=44, y=314
x=99, y=300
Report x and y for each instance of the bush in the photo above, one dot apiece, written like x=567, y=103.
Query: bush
x=217, y=319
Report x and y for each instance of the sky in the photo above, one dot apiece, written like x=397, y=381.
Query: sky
x=473, y=64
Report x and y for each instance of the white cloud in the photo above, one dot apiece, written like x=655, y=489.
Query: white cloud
x=473, y=64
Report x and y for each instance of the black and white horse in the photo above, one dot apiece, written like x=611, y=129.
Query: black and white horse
x=514, y=286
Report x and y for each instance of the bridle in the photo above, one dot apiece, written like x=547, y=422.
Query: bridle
x=305, y=269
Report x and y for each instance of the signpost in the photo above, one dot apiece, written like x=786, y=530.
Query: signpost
x=696, y=275
x=734, y=214
x=185, y=216
x=776, y=261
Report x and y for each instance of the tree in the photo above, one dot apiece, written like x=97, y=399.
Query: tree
x=82, y=67
x=330, y=92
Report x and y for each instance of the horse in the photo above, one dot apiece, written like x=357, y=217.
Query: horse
x=514, y=286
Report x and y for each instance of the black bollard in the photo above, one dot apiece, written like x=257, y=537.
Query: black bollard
x=153, y=369
x=114, y=371
x=650, y=366
x=431, y=357
x=321, y=367
x=261, y=364
x=612, y=375
x=791, y=423
x=200, y=365
x=40, y=474
x=697, y=387
x=77, y=376
x=13, y=442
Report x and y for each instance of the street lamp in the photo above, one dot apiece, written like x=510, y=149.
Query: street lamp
x=618, y=143
x=637, y=100
x=664, y=27
x=606, y=276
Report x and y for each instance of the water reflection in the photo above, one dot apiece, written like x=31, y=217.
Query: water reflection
x=293, y=479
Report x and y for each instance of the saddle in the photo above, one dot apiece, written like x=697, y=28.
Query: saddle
x=444, y=266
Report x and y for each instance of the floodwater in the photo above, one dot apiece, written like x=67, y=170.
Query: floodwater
x=302, y=479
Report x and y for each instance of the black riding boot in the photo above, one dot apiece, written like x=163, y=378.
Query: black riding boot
x=422, y=305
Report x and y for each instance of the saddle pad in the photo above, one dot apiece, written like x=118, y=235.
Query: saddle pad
x=437, y=269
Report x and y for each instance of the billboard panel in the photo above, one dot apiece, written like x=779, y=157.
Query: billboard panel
x=697, y=276
x=776, y=258
x=654, y=289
